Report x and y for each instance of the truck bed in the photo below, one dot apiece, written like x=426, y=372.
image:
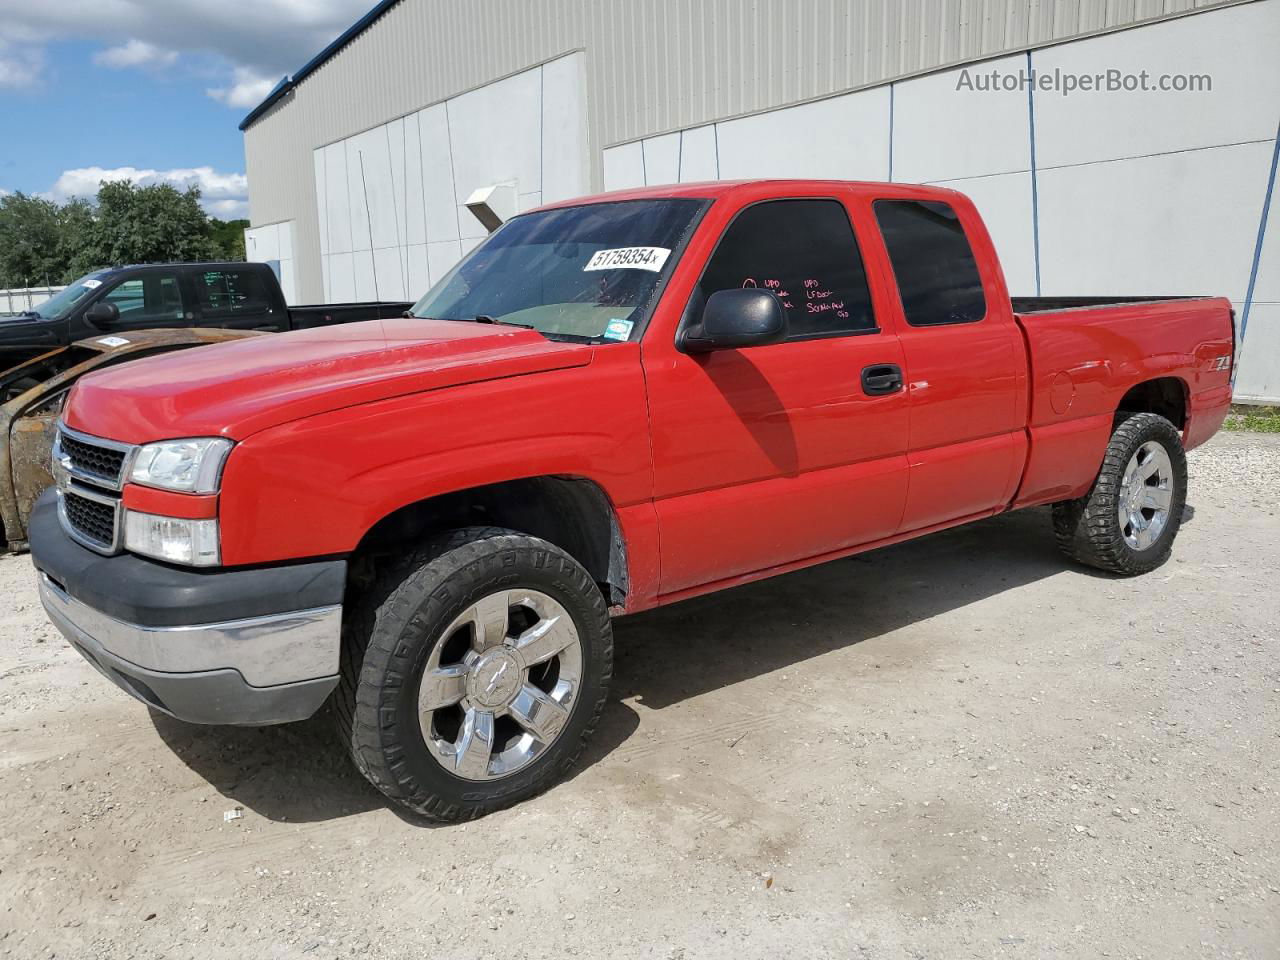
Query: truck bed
x=1030, y=305
x=1085, y=353
x=325, y=314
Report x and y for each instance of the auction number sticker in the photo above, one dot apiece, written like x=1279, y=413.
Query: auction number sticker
x=629, y=258
x=112, y=341
x=92, y=284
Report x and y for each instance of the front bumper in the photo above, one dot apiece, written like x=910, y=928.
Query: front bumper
x=254, y=647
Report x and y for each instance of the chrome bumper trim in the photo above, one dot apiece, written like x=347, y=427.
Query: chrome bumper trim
x=266, y=651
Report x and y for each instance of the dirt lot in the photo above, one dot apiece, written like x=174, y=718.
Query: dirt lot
x=959, y=747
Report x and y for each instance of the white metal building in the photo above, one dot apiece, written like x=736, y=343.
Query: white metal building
x=360, y=164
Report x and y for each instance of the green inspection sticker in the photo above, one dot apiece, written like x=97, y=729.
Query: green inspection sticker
x=618, y=329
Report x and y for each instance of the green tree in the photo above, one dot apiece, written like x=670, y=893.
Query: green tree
x=29, y=241
x=75, y=224
x=152, y=224
x=42, y=242
x=228, y=238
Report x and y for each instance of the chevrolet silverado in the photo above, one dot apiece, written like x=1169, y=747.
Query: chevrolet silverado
x=612, y=403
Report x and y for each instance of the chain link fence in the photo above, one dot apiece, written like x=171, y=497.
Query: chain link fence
x=21, y=299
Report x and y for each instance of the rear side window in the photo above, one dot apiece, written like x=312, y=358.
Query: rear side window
x=226, y=293
x=805, y=252
x=937, y=274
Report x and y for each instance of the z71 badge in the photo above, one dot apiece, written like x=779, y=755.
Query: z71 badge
x=1220, y=363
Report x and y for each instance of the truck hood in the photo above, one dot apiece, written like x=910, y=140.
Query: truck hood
x=237, y=389
x=23, y=337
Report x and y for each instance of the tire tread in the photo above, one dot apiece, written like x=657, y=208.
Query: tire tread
x=371, y=636
x=1088, y=529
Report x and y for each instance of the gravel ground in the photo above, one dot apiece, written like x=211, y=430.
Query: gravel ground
x=957, y=747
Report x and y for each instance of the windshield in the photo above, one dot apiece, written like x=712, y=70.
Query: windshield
x=64, y=301
x=586, y=271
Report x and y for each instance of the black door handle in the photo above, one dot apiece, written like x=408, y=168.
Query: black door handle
x=881, y=378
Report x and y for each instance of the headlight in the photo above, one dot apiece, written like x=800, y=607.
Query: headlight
x=175, y=539
x=188, y=466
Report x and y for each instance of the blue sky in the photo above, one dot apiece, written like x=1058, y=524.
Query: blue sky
x=148, y=90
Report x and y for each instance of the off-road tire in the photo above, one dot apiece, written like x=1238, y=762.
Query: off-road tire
x=1088, y=530
x=388, y=634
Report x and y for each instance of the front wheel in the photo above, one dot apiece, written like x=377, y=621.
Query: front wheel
x=1127, y=522
x=474, y=672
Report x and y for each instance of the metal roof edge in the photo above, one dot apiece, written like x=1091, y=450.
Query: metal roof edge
x=287, y=84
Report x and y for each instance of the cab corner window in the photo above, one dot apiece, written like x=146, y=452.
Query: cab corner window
x=805, y=252
x=226, y=293
x=933, y=262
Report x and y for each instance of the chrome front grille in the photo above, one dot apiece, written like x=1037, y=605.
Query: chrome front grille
x=90, y=473
x=91, y=460
x=93, y=519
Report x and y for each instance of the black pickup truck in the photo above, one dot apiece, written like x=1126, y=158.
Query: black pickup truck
x=235, y=296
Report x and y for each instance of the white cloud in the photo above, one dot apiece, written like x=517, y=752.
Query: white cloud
x=21, y=57
x=248, y=89
x=4, y=192
x=135, y=53
x=228, y=209
x=255, y=41
x=224, y=195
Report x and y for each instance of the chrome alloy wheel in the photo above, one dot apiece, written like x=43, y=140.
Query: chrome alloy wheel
x=500, y=684
x=1146, y=493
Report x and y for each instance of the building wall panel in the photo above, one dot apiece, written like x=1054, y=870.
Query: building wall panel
x=698, y=155
x=1179, y=223
x=624, y=166
x=844, y=138
x=1258, y=374
x=943, y=129
x=414, y=205
x=495, y=133
x=565, y=147
x=662, y=158
x=1241, y=106
x=397, y=191
x=337, y=199
x=439, y=199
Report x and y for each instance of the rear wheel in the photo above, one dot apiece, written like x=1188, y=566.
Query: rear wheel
x=474, y=672
x=1128, y=521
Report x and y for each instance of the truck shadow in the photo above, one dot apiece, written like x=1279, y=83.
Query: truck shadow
x=668, y=655
x=300, y=773
x=296, y=772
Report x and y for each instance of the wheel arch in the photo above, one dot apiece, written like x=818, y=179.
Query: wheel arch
x=1167, y=396
x=570, y=511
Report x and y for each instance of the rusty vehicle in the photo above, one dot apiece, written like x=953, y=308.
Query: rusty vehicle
x=31, y=398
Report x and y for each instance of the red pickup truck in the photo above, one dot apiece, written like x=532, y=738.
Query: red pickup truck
x=612, y=403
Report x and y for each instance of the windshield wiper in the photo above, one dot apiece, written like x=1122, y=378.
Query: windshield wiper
x=485, y=318
x=479, y=318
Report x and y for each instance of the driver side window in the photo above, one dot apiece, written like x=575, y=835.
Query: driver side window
x=146, y=299
x=805, y=252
